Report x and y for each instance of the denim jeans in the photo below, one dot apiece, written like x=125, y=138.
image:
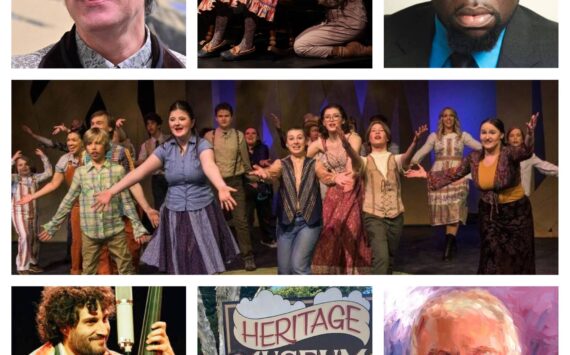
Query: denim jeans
x=295, y=245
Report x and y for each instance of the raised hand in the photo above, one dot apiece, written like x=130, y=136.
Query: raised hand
x=60, y=128
x=120, y=122
x=531, y=125
x=27, y=129
x=17, y=155
x=276, y=120
x=418, y=133
x=40, y=153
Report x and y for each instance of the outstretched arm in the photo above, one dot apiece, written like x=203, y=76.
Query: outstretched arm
x=45, y=141
x=48, y=168
x=277, y=123
x=525, y=151
x=272, y=172
x=149, y=166
x=544, y=167
x=530, y=126
x=213, y=173
x=63, y=210
x=439, y=179
x=425, y=149
x=51, y=186
x=407, y=156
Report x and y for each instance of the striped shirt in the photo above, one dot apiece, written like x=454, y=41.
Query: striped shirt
x=87, y=181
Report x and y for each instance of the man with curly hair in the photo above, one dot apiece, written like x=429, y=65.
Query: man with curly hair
x=75, y=321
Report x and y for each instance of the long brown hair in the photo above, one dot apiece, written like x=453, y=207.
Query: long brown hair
x=456, y=123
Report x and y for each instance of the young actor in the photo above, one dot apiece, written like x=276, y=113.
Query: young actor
x=383, y=210
x=448, y=206
x=505, y=214
x=193, y=237
x=25, y=216
x=104, y=227
x=299, y=207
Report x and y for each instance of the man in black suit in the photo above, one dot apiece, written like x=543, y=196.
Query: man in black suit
x=469, y=33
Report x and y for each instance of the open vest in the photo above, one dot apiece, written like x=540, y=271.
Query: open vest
x=308, y=198
x=64, y=54
x=382, y=194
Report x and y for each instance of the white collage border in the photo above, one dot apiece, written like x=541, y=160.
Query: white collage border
x=379, y=282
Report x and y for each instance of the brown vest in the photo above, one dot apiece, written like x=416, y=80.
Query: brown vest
x=382, y=195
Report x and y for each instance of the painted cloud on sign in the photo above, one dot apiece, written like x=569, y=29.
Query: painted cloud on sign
x=266, y=304
x=334, y=294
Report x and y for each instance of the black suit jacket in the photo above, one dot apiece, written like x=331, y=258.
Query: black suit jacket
x=530, y=39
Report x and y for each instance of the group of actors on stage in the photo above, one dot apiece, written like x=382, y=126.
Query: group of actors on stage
x=337, y=36
x=338, y=207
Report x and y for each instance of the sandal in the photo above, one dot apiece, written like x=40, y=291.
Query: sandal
x=236, y=54
x=207, y=51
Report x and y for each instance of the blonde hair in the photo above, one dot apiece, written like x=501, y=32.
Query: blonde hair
x=456, y=123
x=458, y=303
x=97, y=135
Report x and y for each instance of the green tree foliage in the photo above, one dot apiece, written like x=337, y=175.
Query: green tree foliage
x=312, y=291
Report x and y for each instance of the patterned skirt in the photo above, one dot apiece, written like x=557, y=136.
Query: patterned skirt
x=448, y=205
x=507, y=238
x=191, y=242
x=342, y=246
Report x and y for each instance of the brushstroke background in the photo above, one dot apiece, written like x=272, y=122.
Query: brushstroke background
x=534, y=311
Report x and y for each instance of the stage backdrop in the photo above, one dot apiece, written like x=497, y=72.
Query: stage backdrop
x=43, y=104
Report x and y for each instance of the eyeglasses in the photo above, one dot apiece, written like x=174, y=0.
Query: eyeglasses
x=332, y=117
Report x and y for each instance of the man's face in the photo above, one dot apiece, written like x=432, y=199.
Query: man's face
x=467, y=334
x=98, y=15
x=152, y=127
x=224, y=118
x=89, y=337
x=475, y=24
x=250, y=136
x=101, y=122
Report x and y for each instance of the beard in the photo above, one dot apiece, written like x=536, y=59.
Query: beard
x=461, y=42
x=82, y=345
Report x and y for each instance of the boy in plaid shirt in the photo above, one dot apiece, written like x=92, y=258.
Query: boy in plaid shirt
x=99, y=228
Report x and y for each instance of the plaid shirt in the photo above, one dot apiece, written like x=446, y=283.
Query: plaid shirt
x=88, y=181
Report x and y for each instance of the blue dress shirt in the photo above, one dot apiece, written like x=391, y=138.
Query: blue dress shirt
x=188, y=187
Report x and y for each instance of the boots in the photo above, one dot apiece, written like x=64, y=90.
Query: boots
x=352, y=49
x=450, y=247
